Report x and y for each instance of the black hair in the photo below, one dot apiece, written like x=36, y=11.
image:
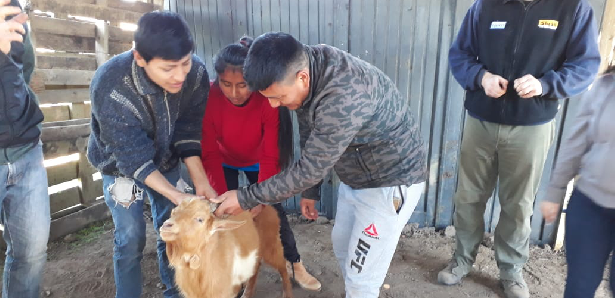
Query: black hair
x=272, y=57
x=234, y=55
x=610, y=69
x=164, y=35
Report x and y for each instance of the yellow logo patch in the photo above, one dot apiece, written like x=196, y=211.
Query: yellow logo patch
x=548, y=24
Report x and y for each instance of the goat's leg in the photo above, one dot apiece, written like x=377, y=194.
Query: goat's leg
x=278, y=262
x=249, y=290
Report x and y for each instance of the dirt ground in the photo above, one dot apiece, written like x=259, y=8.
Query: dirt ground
x=81, y=266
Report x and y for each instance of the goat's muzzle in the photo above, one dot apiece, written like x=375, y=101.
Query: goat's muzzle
x=168, y=231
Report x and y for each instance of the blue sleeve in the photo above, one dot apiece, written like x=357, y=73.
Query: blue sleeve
x=582, y=58
x=463, y=54
x=189, y=124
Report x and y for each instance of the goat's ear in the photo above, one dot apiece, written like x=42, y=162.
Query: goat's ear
x=226, y=225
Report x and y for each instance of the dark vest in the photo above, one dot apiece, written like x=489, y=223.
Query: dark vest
x=515, y=39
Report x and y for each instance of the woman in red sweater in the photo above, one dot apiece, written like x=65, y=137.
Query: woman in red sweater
x=242, y=132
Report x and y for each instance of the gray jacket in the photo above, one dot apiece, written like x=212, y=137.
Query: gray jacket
x=355, y=121
x=137, y=127
x=589, y=150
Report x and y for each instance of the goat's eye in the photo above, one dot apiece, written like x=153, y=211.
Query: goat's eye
x=200, y=220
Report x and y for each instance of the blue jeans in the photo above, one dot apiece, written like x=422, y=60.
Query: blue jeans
x=590, y=240
x=24, y=205
x=130, y=234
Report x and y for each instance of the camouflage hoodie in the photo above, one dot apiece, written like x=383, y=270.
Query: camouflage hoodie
x=355, y=121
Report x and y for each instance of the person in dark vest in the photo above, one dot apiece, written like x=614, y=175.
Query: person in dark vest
x=24, y=200
x=515, y=59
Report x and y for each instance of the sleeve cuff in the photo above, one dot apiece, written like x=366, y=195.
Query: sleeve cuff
x=4, y=59
x=546, y=89
x=555, y=195
x=145, y=170
x=313, y=193
x=189, y=153
x=245, y=200
x=479, y=78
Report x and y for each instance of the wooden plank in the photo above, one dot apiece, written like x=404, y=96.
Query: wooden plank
x=59, y=148
x=64, y=96
x=43, y=25
x=240, y=18
x=285, y=14
x=295, y=18
x=66, y=123
x=304, y=21
x=196, y=26
x=80, y=111
x=90, y=189
x=102, y=46
x=381, y=34
x=65, y=61
x=64, y=199
x=430, y=124
x=118, y=47
x=78, y=8
x=257, y=19
x=188, y=13
x=63, y=133
x=394, y=38
x=65, y=77
x=118, y=34
x=276, y=17
x=342, y=17
x=313, y=23
x=78, y=220
x=444, y=203
x=327, y=31
x=266, y=16
x=62, y=173
x=56, y=113
x=134, y=6
x=65, y=43
x=607, y=35
x=225, y=23
x=453, y=121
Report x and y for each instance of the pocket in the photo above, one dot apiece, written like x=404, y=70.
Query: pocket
x=398, y=200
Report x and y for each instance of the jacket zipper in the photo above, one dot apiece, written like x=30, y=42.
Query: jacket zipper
x=168, y=111
x=6, y=116
x=517, y=42
x=363, y=165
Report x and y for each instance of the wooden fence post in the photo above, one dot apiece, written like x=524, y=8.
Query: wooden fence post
x=102, y=42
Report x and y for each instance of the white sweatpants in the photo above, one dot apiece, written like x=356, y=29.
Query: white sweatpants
x=366, y=232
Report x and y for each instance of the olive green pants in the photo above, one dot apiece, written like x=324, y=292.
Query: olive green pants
x=516, y=155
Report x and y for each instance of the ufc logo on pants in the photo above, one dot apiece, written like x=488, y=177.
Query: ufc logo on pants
x=361, y=252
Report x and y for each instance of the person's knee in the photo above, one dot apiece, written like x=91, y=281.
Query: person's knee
x=129, y=242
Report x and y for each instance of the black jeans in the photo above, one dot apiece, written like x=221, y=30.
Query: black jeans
x=590, y=239
x=286, y=234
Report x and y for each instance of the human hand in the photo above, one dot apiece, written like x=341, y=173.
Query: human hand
x=550, y=211
x=494, y=85
x=308, y=208
x=13, y=29
x=528, y=86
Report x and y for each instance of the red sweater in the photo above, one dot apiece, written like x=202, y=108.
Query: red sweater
x=239, y=137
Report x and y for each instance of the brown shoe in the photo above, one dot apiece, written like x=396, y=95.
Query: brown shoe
x=300, y=275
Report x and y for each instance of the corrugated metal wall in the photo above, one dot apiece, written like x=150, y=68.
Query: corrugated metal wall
x=408, y=40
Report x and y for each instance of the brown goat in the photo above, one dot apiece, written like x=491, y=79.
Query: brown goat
x=214, y=257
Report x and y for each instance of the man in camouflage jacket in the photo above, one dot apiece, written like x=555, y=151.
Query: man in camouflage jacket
x=352, y=119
